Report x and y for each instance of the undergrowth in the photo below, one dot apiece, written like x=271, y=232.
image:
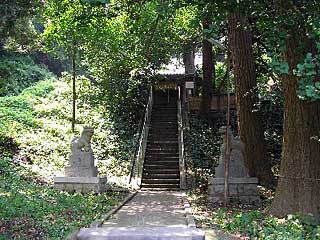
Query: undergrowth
x=35, y=136
x=248, y=223
x=203, y=143
x=31, y=209
x=38, y=122
x=18, y=73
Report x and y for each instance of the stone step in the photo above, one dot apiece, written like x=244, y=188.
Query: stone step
x=168, y=117
x=154, y=139
x=164, y=142
x=152, y=175
x=158, y=132
x=158, y=147
x=165, y=106
x=155, y=145
x=169, y=156
x=162, y=155
x=141, y=233
x=160, y=186
x=164, y=116
x=154, y=150
x=163, y=171
x=156, y=157
x=164, y=127
x=160, y=165
x=164, y=121
x=164, y=135
x=163, y=130
x=161, y=181
x=154, y=160
x=164, y=109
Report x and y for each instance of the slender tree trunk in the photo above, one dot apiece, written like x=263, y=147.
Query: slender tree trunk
x=249, y=119
x=188, y=59
x=298, y=188
x=74, y=93
x=207, y=65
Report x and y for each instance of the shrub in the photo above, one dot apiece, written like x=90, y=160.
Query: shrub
x=18, y=73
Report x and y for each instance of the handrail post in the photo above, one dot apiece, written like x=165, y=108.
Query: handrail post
x=182, y=164
x=138, y=161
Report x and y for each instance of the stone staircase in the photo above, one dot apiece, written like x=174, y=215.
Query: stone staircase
x=161, y=164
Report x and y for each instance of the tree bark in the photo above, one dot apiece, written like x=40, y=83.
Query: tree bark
x=188, y=59
x=207, y=64
x=249, y=118
x=298, y=188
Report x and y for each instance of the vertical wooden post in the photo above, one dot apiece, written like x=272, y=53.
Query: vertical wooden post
x=74, y=94
x=227, y=153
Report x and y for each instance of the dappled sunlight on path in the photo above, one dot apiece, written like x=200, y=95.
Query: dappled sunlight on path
x=150, y=208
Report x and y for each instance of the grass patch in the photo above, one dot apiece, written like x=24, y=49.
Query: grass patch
x=31, y=209
x=35, y=136
x=39, y=122
x=19, y=72
x=249, y=223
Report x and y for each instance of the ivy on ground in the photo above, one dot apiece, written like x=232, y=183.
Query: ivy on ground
x=31, y=209
x=247, y=222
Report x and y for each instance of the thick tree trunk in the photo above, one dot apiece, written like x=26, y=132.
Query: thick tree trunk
x=298, y=188
x=207, y=65
x=249, y=119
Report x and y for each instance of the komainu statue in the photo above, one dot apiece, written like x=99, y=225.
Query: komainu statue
x=81, y=174
x=81, y=151
x=82, y=143
x=236, y=163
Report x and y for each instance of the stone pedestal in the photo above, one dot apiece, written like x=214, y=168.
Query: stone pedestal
x=242, y=188
x=81, y=175
x=80, y=184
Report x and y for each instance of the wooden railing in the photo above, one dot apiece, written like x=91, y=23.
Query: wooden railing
x=138, y=161
x=182, y=164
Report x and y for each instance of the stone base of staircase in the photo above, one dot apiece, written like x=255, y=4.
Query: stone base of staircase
x=141, y=233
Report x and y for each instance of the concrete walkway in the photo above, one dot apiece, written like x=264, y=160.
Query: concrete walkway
x=150, y=208
x=154, y=215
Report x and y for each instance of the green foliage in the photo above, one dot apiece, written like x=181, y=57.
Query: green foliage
x=247, y=222
x=18, y=73
x=120, y=46
x=279, y=66
x=31, y=210
x=204, y=144
x=308, y=73
x=202, y=147
x=13, y=12
x=256, y=225
x=38, y=121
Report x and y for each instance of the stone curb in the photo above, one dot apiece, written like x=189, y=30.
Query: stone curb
x=98, y=223
x=190, y=219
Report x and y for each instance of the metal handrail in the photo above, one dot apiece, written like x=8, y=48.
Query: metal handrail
x=182, y=164
x=137, y=164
